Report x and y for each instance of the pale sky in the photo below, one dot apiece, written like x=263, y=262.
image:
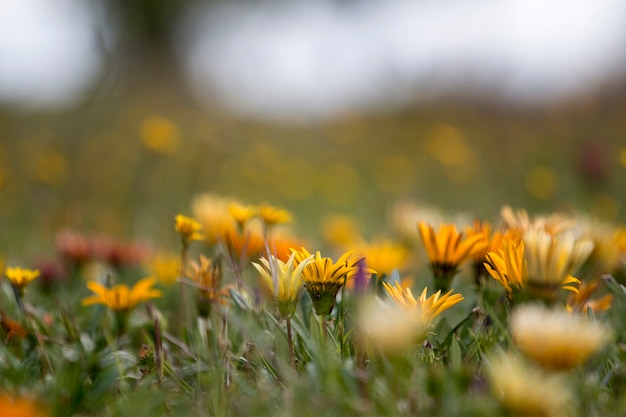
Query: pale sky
x=316, y=58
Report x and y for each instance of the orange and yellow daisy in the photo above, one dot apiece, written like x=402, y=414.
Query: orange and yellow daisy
x=427, y=307
x=447, y=249
x=188, y=229
x=120, y=297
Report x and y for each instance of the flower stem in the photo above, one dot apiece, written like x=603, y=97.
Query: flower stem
x=292, y=355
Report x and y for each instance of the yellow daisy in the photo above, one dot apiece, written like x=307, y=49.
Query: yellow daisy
x=21, y=277
x=428, y=307
x=188, y=229
x=447, y=249
x=556, y=339
x=526, y=391
x=283, y=280
x=121, y=297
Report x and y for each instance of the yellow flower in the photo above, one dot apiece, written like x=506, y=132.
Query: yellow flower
x=20, y=407
x=283, y=280
x=165, y=268
x=580, y=301
x=212, y=211
x=208, y=278
x=188, y=228
x=447, y=249
x=524, y=390
x=340, y=231
x=159, y=135
x=427, y=308
x=508, y=265
x=21, y=277
x=384, y=256
x=551, y=261
x=556, y=339
x=273, y=215
x=241, y=214
x=388, y=327
x=323, y=278
x=121, y=297
x=553, y=224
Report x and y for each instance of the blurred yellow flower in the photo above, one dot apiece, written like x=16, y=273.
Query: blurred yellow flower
x=21, y=277
x=188, y=228
x=283, y=280
x=383, y=256
x=340, y=231
x=580, y=301
x=208, y=278
x=388, y=327
x=526, y=391
x=165, y=268
x=556, y=339
x=242, y=214
x=159, y=135
x=11, y=406
x=121, y=297
x=273, y=215
x=447, y=249
x=212, y=211
x=519, y=220
x=427, y=308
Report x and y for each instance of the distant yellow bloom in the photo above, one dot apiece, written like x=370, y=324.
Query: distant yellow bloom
x=526, y=391
x=188, y=228
x=427, y=308
x=340, y=231
x=165, y=268
x=159, y=135
x=283, y=280
x=242, y=214
x=212, y=211
x=447, y=249
x=20, y=407
x=121, y=297
x=554, y=224
x=208, y=278
x=556, y=339
x=21, y=277
x=323, y=278
x=273, y=215
x=384, y=256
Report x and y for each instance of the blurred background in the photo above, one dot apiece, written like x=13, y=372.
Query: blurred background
x=114, y=114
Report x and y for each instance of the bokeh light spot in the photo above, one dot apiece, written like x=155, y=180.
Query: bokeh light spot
x=541, y=182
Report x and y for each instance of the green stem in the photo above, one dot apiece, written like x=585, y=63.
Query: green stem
x=292, y=355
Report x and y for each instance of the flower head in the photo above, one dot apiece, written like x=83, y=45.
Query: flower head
x=526, y=391
x=188, y=229
x=508, y=265
x=242, y=214
x=551, y=261
x=273, y=215
x=121, y=297
x=427, y=307
x=388, y=327
x=447, y=249
x=208, y=278
x=384, y=256
x=323, y=278
x=21, y=277
x=283, y=280
x=580, y=301
x=556, y=339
